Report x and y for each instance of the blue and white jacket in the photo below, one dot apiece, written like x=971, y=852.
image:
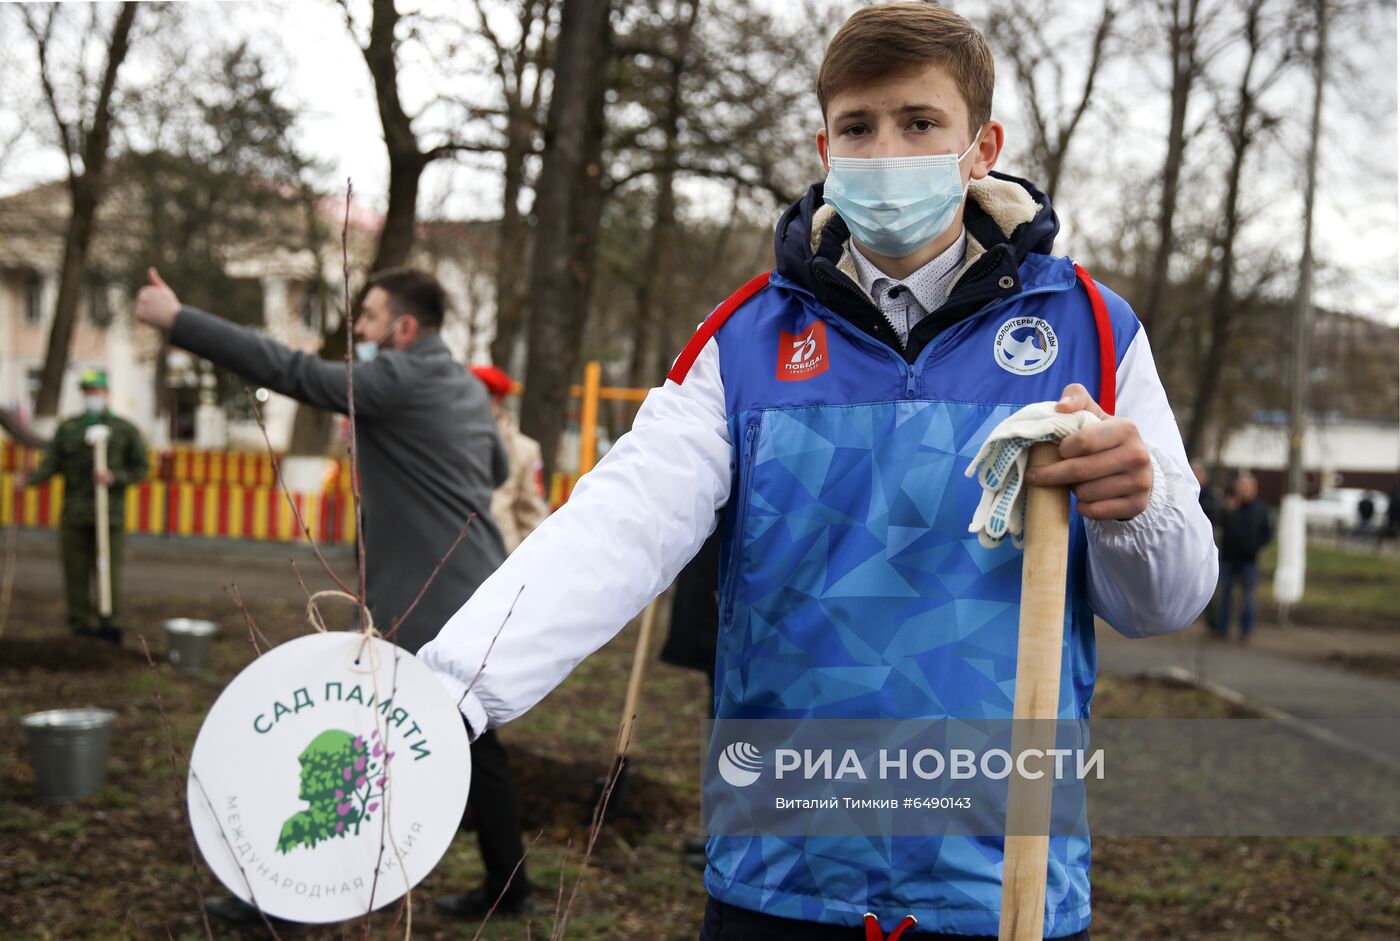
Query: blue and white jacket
x=849, y=585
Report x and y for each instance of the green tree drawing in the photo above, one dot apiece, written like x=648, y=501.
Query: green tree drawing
x=342, y=779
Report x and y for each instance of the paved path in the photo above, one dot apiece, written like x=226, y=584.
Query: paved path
x=1361, y=709
x=192, y=568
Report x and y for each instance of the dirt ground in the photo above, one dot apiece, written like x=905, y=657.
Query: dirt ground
x=119, y=864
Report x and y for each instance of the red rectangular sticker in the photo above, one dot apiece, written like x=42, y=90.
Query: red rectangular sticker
x=803, y=355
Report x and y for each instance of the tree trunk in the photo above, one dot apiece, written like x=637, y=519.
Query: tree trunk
x=654, y=300
x=311, y=426
x=76, y=242
x=86, y=192
x=510, y=250
x=1223, y=301
x=1183, y=47
x=396, y=238
x=568, y=207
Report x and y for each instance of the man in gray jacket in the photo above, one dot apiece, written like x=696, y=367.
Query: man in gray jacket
x=429, y=459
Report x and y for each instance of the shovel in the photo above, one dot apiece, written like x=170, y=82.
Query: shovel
x=97, y=436
x=617, y=771
x=1043, y=570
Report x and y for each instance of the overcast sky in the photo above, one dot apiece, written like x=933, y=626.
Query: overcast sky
x=322, y=72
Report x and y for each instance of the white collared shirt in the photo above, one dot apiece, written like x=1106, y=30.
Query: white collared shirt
x=905, y=302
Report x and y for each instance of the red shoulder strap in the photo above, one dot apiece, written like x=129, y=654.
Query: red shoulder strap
x=712, y=324
x=1108, y=356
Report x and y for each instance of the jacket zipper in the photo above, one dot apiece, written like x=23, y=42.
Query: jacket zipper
x=856, y=332
x=746, y=459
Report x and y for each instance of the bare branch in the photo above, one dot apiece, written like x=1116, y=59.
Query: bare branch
x=350, y=398
x=506, y=887
x=461, y=533
x=291, y=500
x=42, y=37
x=176, y=758
x=253, y=632
x=500, y=53
x=464, y=147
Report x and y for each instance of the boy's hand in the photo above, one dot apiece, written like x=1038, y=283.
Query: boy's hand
x=156, y=304
x=1106, y=465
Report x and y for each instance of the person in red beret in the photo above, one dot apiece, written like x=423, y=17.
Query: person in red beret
x=518, y=505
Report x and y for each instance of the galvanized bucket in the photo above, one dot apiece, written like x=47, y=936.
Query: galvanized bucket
x=68, y=749
x=188, y=641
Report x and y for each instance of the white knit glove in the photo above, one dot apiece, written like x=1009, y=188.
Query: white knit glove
x=1000, y=467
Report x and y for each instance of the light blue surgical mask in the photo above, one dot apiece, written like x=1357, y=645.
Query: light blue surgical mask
x=94, y=404
x=893, y=205
x=367, y=350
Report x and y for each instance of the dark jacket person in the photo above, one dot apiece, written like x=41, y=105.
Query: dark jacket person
x=430, y=457
x=429, y=453
x=1245, y=531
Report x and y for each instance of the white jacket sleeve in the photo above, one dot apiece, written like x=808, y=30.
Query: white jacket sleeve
x=1156, y=572
x=625, y=532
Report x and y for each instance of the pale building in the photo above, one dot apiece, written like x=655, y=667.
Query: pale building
x=282, y=277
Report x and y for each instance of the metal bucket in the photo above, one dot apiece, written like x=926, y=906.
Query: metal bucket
x=68, y=749
x=188, y=641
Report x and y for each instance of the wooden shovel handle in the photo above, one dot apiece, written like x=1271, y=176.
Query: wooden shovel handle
x=104, y=537
x=1043, y=572
x=634, y=679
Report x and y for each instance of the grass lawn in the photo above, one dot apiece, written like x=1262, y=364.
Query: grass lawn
x=1343, y=588
x=117, y=866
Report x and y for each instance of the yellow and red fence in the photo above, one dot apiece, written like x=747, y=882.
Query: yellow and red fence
x=192, y=492
x=216, y=511
x=234, y=494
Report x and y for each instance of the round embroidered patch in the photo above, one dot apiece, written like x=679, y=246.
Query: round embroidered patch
x=1026, y=346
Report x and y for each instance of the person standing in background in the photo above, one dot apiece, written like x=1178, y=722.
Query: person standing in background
x=429, y=459
x=1245, y=531
x=70, y=455
x=1211, y=506
x=1210, y=496
x=518, y=505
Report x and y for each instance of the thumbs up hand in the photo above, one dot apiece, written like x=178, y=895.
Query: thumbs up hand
x=156, y=304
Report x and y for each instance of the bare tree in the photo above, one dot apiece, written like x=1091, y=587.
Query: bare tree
x=659, y=258
x=408, y=156
x=83, y=126
x=1186, y=23
x=1039, y=63
x=1244, y=120
x=718, y=91
x=569, y=200
x=521, y=70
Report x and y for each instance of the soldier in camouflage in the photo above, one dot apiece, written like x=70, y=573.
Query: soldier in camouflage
x=69, y=455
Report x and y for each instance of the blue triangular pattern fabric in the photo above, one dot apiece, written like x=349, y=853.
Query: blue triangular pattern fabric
x=853, y=590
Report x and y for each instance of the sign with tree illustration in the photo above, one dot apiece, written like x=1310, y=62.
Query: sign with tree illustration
x=329, y=778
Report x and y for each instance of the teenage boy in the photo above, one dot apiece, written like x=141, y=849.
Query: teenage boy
x=829, y=410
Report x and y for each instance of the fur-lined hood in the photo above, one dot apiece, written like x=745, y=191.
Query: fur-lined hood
x=1001, y=211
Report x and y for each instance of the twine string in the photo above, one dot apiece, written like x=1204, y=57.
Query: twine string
x=369, y=633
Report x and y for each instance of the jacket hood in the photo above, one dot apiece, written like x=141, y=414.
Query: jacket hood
x=1002, y=212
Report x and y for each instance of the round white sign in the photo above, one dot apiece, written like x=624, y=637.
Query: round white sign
x=329, y=777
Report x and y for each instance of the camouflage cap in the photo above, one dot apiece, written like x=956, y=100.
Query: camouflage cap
x=93, y=379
